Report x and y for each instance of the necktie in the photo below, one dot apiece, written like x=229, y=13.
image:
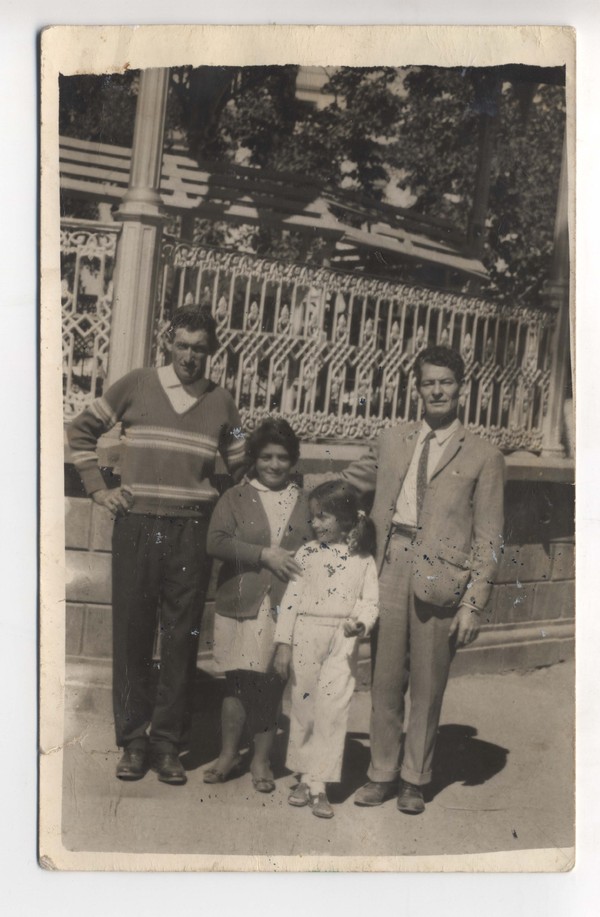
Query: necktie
x=422, y=472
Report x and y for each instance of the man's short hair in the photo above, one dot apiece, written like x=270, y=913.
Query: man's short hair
x=195, y=318
x=440, y=356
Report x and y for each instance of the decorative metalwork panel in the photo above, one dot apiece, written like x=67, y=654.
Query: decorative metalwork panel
x=334, y=352
x=87, y=262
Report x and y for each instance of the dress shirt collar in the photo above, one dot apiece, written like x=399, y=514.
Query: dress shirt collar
x=168, y=377
x=182, y=398
x=441, y=436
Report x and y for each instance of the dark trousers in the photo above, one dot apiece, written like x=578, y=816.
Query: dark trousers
x=160, y=577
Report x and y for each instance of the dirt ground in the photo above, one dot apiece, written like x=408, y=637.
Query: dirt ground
x=504, y=781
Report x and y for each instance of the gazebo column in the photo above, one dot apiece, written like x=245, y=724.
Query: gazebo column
x=557, y=299
x=137, y=259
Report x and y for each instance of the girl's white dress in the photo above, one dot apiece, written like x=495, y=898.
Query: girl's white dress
x=335, y=586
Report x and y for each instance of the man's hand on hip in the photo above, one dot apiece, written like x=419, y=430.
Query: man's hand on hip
x=117, y=500
x=465, y=624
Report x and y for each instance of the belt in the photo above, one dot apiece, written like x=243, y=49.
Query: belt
x=408, y=531
x=324, y=620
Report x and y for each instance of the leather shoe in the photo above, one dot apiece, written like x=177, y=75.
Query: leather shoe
x=374, y=793
x=410, y=799
x=133, y=764
x=169, y=768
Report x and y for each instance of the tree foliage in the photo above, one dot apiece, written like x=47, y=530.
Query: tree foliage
x=99, y=108
x=523, y=193
x=406, y=136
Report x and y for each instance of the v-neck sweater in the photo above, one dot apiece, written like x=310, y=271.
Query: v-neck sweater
x=167, y=457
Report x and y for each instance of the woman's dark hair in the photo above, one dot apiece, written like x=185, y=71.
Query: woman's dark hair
x=341, y=500
x=441, y=356
x=195, y=318
x=276, y=431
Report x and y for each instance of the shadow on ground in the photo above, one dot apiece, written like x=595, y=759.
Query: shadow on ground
x=204, y=735
x=204, y=738
x=460, y=756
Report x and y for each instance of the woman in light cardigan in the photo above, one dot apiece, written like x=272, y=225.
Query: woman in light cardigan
x=255, y=529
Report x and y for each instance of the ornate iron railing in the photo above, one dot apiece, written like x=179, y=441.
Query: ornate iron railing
x=87, y=252
x=332, y=352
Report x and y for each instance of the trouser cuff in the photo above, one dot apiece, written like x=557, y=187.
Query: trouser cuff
x=163, y=746
x=414, y=777
x=379, y=776
x=135, y=737
x=138, y=742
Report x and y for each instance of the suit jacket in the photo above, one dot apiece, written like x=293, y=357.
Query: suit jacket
x=460, y=529
x=238, y=531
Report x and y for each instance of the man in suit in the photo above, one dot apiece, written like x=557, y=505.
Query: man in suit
x=438, y=510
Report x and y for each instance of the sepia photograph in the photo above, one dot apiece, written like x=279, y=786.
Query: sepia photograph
x=308, y=449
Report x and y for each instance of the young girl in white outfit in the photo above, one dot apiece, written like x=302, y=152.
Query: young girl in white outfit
x=323, y=612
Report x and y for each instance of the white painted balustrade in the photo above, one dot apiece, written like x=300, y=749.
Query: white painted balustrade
x=332, y=352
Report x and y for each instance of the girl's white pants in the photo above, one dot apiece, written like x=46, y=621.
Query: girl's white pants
x=322, y=685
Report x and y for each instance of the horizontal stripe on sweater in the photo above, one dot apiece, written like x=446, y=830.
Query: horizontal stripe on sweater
x=167, y=458
x=102, y=410
x=84, y=458
x=170, y=440
x=177, y=495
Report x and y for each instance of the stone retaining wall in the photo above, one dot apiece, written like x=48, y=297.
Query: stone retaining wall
x=529, y=621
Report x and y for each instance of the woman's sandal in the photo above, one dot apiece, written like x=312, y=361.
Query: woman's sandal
x=214, y=775
x=263, y=784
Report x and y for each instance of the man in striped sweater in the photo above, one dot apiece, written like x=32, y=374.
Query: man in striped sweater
x=173, y=422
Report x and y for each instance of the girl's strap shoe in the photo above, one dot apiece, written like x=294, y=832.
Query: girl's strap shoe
x=321, y=806
x=300, y=795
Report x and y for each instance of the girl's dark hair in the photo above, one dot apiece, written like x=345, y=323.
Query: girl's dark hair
x=342, y=501
x=276, y=431
x=195, y=318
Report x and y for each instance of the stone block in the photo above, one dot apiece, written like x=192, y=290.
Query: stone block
x=566, y=649
x=74, y=624
x=563, y=560
x=513, y=604
x=101, y=529
x=531, y=654
x=554, y=600
x=77, y=522
x=88, y=577
x=97, y=634
x=525, y=563
x=478, y=661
